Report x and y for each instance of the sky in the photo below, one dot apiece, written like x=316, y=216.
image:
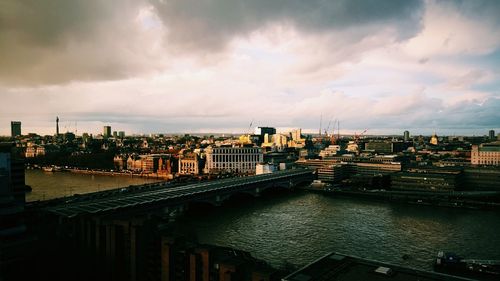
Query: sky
x=180, y=66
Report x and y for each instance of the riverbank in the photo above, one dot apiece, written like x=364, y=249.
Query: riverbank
x=126, y=174
x=452, y=199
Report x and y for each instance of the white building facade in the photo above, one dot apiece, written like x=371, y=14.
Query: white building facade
x=241, y=160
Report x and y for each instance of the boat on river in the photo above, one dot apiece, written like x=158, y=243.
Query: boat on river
x=477, y=268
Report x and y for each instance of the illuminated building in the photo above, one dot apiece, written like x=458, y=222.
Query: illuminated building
x=486, y=154
x=434, y=139
x=106, y=132
x=232, y=159
x=189, y=163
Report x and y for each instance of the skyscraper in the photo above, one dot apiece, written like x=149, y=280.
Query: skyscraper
x=106, y=131
x=492, y=134
x=406, y=136
x=57, y=125
x=15, y=128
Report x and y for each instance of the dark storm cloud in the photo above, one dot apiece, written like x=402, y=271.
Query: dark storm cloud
x=209, y=24
x=55, y=41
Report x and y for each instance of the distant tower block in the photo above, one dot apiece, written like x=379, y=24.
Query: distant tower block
x=15, y=128
x=492, y=134
x=57, y=125
x=406, y=136
x=106, y=131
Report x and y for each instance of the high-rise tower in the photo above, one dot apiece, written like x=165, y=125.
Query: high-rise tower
x=15, y=128
x=57, y=125
x=406, y=136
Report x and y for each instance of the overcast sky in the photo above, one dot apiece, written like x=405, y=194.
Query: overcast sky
x=215, y=65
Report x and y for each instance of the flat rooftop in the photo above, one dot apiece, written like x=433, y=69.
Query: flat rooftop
x=335, y=266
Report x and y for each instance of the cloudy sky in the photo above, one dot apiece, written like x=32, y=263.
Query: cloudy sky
x=215, y=65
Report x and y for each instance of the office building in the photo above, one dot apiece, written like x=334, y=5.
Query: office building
x=492, y=134
x=15, y=128
x=486, y=154
x=241, y=160
x=121, y=134
x=406, y=136
x=261, y=131
x=429, y=179
x=106, y=131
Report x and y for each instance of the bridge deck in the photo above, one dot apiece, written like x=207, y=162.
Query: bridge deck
x=126, y=200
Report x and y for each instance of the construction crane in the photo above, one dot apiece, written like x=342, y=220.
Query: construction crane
x=357, y=137
x=249, y=127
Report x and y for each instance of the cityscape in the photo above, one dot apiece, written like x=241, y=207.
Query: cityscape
x=249, y=140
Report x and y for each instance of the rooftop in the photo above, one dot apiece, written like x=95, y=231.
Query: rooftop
x=335, y=266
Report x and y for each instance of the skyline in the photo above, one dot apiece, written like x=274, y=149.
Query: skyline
x=184, y=66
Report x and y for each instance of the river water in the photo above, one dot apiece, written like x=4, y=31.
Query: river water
x=300, y=227
x=48, y=185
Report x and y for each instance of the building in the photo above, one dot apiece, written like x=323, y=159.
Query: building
x=379, y=146
x=481, y=178
x=241, y=160
x=431, y=179
x=406, y=136
x=121, y=134
x=12, y=189
x=266, y=168
x=262, y=131
x=434, y=139
x=331, y=173
x=340, y=267
x=15, y=128
x=106, y=132
x=329, y=151
x=492, y=134
x=57, y=125
x=189, y=163
x=486, y=154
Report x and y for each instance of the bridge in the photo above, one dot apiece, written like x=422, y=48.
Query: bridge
x=126, y=234
x=213, y=192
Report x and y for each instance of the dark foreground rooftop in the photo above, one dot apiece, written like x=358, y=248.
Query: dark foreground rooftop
x=341, y=267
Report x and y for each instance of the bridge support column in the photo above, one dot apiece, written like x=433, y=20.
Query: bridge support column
x=257, y=192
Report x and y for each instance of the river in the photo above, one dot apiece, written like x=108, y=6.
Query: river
x=300, y=227
x=48, y=185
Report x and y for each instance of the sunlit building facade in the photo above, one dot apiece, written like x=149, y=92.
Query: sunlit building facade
x=486, y=154
x=241, y=160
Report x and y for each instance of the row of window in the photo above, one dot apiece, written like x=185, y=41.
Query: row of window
x=236, y=158
x=235, y=150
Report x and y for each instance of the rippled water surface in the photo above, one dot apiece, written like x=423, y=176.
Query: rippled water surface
x=47, y=185
x=301, y=227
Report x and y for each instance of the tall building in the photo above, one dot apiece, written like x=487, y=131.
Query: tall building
x=261, y=132
x=106, y=131
x=57, y=125
x=406, y=136
x=492, y=134
x=121, y=134
x=15, y=128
